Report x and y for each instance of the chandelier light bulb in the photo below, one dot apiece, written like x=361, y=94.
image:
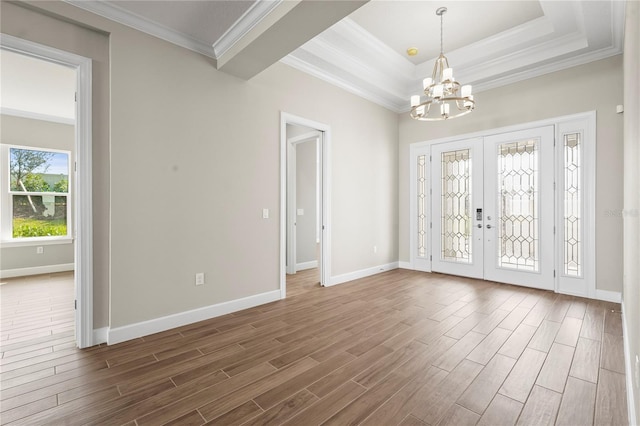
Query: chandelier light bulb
x=415, y=100
x=438, y=91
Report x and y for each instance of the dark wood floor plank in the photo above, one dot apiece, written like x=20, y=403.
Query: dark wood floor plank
x=331, y=381
x=523, y=375
x=408, y=398
x=612, y=353
x=360, y=408
x=232, y=400
x=159, y=409
x=544, y=336
x=482, y=390
x=434, y=406
x=611, y=401
x=488, y=347
x=578, y=403
x=364, y=352
x=383, y=368
x=502, y=411
x=459, y=416
x=593, y=322
x=278, y=393
x=555, y=369
x=541, y=407
x=586, y=360
x=283, y=411
x=518, y=341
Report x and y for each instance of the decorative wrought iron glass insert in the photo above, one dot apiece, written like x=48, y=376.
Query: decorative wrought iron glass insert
x=518, y=205
x=572, y=205
x=422, y=206
x=456, y=206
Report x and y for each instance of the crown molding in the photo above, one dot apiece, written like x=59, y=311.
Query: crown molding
x=118, y=14
x=256, y=13
x=320, y=72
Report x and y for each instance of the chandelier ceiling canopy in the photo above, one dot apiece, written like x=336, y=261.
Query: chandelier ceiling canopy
x=445, y=97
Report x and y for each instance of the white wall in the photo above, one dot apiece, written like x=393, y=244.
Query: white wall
x=631, y=217
x=40, y=134
x=561, y=93
x=194, y=155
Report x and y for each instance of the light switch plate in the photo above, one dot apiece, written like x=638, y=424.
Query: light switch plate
x=265, y=213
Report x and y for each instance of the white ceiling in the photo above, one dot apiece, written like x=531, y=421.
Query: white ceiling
x=36, y=88
x=488, y=43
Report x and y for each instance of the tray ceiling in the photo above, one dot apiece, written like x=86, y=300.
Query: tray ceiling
x=361, y=46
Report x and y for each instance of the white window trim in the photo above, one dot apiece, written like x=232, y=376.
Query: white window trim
x=6, y=216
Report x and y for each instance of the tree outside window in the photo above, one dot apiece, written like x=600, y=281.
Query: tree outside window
x=39, y=192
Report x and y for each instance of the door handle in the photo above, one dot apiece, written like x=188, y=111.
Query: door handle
x=488, y=226
x=479, y=225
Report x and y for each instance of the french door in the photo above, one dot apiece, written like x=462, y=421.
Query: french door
x=492, y=204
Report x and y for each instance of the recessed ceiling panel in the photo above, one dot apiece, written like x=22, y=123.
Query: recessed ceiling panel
x=404, y=24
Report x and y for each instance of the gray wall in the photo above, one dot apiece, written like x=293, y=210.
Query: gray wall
x=41, y=134
x=631, y=217
x=179, y=129
x=561, y=93
x=306, y=199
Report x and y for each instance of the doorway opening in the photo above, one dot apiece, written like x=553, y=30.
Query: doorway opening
x=304, y=211
x=46, y=190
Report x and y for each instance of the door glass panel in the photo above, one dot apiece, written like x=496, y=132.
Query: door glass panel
x=518, y=201
x=572, y=203
x=456, y=202
x=422, y=203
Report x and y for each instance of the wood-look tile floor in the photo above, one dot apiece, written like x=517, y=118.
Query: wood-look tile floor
x=399, y=348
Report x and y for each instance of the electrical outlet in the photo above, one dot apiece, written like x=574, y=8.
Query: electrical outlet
x=375, y=249
x=200, y=278
x=39, y=250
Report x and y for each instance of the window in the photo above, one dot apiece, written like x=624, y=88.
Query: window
x=36, y=197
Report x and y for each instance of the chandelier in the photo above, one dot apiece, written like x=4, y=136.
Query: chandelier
x=445, y=97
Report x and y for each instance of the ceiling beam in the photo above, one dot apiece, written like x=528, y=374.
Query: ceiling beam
x=290, y=25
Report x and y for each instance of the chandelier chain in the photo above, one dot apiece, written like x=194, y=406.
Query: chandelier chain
x=441, y=34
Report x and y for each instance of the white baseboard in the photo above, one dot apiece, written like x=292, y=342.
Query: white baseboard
x=339, y=279
x=404, y=265
x=36, y=270
x=133, y=331
x=609, y=296
x=628, y=362
x=306, y=265
x=100, y=335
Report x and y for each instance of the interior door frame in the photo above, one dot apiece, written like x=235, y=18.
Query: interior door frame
x=583, y=123
x=324, y=262
x=83, y=213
